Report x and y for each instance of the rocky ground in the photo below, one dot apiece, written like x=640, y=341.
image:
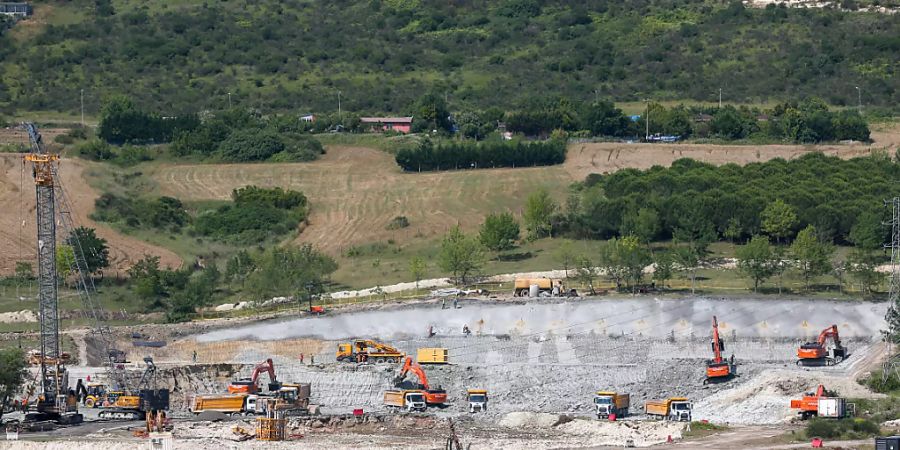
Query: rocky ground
x=541, y=361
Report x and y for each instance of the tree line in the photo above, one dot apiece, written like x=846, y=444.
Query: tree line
x=806, y=121
x=731, y=202
x=427, y=155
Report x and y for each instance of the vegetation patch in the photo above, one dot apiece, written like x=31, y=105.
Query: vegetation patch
x=850, y=428
x=471, y=155
x=278, y=55
x=254, y=215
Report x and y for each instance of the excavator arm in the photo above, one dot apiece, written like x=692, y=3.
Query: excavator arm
x=432, y=396
x=717, y=342
x=266, y=366
x=830, y=332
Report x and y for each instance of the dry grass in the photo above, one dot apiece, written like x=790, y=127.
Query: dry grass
x=17, y=223
x=356, y=191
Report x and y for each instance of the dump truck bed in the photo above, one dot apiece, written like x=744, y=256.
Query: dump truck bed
x=221, y=403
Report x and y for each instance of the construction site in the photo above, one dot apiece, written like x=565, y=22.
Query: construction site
x=533, y=366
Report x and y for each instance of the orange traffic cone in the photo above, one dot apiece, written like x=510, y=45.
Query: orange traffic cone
x=669, y=440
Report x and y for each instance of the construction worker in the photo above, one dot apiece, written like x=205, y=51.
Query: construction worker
x=194, y=357
x=466, y=331
x=443, y=303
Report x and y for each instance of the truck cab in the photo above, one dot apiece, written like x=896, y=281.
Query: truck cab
x=680, y=411
x=415, y=401
x=478, y=399
x=611, y=404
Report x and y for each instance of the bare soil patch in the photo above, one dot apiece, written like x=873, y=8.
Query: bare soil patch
x=17, y=221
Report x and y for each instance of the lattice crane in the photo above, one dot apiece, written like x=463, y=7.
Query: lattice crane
x=56, y=401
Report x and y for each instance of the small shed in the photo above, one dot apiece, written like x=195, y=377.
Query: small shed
x=16, y=9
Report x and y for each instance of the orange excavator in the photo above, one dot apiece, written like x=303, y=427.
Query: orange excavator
x=821, y=403
x=249, y=386
x=827, y=349
x=718, y=369
x=433, y=397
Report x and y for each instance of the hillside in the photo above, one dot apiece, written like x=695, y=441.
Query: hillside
x=381, y=56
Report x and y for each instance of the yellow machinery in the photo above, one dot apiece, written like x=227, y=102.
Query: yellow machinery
x=363, y=350
x=432, y=355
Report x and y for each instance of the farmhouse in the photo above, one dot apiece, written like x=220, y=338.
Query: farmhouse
x=399, y=124
x=15, y=9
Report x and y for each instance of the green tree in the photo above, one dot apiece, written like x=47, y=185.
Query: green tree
x=239, y=266
x=417, y=269
x=12, y=375
x=499, y=232
x=539, y=210
x=634, y=257
x=65, y=261
x=645, y=225
x=755, y=260
x=663, y=268
x=586, y=272
x=565, y=255
x=147, y=282
x=734, y=230
x=688, y=259
x=460, y=255
x=283, y=271
x=868, y=233
x=431, y=113
x=863, y=267
x=93, y=248
x=812, y=256
x=24, y=271
x=779, y=220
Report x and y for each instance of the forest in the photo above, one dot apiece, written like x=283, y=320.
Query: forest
x=732, y=202
x=297, y=55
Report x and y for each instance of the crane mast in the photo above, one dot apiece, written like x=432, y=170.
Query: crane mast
x=54, y=401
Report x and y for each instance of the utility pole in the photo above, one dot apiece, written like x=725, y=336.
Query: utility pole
x=229, y=100
x=647, y=120
x=893, y=314
x=720, y=98
x=858, y=99
x=82, y=108
x=340, y=114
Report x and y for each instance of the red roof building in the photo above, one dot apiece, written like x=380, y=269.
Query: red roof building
x=398, y=124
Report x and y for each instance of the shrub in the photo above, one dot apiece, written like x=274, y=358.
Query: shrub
x=397, y=223
x=95, y=150
x=856, y=428
x=251, y=145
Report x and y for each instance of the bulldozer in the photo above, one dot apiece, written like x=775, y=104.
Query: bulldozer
x=433, y=397
x=362, y=350
x=718, y=369
x=826, y=349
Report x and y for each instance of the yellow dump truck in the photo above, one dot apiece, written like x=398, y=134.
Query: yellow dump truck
x=405, y=400
x=432, y=355
x=611, y=403
x=478, y=399
x=228, y=403
x=674, y=408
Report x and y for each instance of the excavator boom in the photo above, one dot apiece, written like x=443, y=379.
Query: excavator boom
x=718, y=368
x=827, y=348
x=249, y=385
x=432, y=396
